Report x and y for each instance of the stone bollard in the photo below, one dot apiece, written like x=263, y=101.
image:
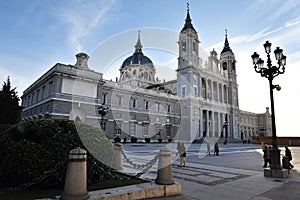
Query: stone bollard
x=76, y=178
x=117, y=163
x=164, y=171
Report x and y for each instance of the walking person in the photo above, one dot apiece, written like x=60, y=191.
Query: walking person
x=182, y=153
x=207, y=149
x=178, y=148
x=288, y=155
x=216, y=149
x=266, y=155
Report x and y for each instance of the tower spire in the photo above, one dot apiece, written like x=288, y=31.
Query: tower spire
x=138, y=46
x=226, y=44
x=226, y=40
x=188, y=21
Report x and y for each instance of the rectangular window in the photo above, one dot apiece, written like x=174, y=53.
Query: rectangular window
x=32, y=98
x=37, y=95
x=50, y=87
x=157, y=106
x=132, y=128
x=134, y=103
x=103, y=99
x=43, y=92
x=183, y=91
x=146, y=130
x=146, y=105
x=120, y=100
x=169, y=108
x=195, y=91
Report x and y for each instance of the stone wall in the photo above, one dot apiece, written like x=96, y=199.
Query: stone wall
x=291, y=141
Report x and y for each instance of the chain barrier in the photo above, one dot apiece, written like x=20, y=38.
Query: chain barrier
x=107, y=172
x=145, y=167
x=148, y=166
x=34, y=181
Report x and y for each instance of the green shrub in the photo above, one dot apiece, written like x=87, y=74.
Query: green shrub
x=29, y=149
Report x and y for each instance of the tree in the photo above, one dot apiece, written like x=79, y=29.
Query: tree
x=10, y=110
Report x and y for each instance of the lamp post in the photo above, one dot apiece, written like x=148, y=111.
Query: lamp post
x=270, y=72
x=103, y=110
x=225, y=126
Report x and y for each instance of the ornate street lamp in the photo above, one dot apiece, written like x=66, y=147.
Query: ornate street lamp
x=102, y=111
x=270, y=72
x=225, y=126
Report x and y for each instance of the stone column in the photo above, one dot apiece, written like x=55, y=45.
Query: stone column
x=213, y=123
x=212, y=89
x=222, y=91
x=117, y=163
x=76, y=178
x=207, y=124
x=218, y=91
x=201, y=123
x=164, y=170
x=219, y=124
x=206, y=88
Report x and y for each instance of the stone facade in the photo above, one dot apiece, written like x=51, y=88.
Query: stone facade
x=201, y=102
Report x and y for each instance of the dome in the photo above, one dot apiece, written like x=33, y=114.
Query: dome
x=137, y=58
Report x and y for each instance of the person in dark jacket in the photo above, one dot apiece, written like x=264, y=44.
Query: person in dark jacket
x=266, y=156
x=217, y=150
x=288, y=154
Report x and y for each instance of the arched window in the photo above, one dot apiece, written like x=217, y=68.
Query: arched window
x=195, y=50
x=233, y=66
x=224, y=65
x=183, y=91
x=203, y=89
x=195, y=91
x=183, y=46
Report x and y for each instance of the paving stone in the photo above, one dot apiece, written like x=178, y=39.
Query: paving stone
x=205, y=176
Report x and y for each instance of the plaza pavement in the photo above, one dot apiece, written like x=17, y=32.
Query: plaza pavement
x=236, y=174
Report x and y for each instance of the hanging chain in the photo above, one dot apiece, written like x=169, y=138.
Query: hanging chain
x=107, y=172
x=35, y=181
x=149, y=165
x=145, y=167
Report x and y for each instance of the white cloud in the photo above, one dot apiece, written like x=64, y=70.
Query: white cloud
x=272, y=9
x=17, y=81
x=83, y=18
x=292, y=22
x=283, y=8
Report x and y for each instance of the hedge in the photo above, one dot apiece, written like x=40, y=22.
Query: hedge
x=29, y=149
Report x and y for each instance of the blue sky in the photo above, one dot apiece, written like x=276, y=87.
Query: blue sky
x=37, y=34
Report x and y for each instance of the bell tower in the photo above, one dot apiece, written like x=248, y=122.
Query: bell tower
x=188, y=61
x=188, y=44
x=188, y=80
x=228, y=63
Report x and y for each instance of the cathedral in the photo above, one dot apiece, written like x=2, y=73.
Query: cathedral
x=202, y=102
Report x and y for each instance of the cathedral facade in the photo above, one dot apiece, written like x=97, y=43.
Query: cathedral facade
x=201, y=102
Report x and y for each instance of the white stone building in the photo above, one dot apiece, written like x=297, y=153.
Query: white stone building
x=201, y=102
